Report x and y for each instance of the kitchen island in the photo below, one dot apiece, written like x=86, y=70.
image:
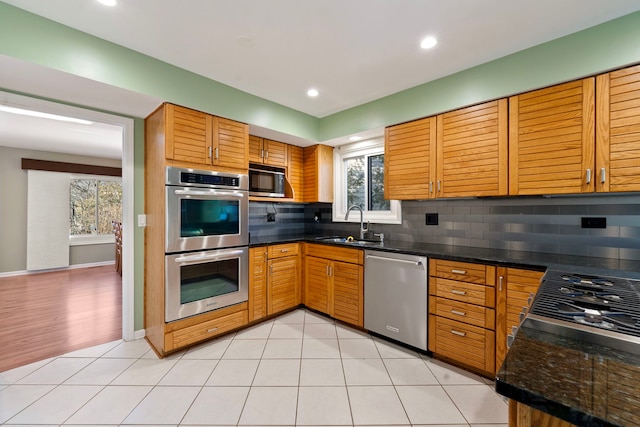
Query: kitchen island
x=581, y=383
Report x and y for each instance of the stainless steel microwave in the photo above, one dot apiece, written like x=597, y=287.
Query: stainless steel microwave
x=266, y=181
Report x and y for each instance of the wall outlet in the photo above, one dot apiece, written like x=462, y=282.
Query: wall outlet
x=271, y=217
x=317, y=217
x=594, y=222
x=431, y=219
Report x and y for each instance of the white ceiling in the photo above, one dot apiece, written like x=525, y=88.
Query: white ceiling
x=352, y=51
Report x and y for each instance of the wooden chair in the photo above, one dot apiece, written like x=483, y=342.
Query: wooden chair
x=117, y=231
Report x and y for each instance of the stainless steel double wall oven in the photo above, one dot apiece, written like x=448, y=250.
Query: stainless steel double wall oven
x=207, y=238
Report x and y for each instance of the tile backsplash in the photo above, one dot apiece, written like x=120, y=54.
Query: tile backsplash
x=533, y=224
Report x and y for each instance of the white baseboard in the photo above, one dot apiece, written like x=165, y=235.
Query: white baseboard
x=139, y=334
x=71, y=267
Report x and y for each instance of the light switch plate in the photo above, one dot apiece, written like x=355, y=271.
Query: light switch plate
x=142, y=220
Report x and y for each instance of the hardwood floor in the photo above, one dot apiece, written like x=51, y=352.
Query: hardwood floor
x=48, y=314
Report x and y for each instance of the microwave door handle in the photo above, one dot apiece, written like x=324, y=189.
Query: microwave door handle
x=216, y=194
x=196, y=259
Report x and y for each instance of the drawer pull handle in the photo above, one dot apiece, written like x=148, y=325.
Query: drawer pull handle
x=459, y=313
x=457, y=292
x=284, y=250
x=460, y=334
x=212, y=330
x=454, y=271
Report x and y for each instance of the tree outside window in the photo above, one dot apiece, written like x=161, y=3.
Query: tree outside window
x=94, y=203
x=365, y=182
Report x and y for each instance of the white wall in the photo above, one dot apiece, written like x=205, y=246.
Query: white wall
x=13, y=209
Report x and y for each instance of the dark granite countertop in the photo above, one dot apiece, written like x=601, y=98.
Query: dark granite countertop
x=582, y=383
x=532, y=260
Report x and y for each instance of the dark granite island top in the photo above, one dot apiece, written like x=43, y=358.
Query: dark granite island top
x=584, y=384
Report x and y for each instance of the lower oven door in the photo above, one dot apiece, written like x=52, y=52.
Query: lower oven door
x=197, y=282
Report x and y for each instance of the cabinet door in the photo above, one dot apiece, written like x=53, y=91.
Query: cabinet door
x=514, y=288
x=230, y=143
x=256, y=149
x=618, y=131
x=348, y=295
x=472, y=151
x=410, y=160
x=295, y=172
x=257, y=283
x=275, y=153
x=283, y=284
x=188, y=135
x=552, y=140
x=316, y=284
x=318, y=174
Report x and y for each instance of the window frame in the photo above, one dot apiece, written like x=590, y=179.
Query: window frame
x=92, y=239
x=340, y=154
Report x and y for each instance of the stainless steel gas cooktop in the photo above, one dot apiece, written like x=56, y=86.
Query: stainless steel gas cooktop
x=599, y=310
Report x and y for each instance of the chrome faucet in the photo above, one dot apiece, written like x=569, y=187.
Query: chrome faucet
x=363, y=230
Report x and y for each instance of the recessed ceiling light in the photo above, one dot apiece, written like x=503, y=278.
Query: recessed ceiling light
x=355, y=138
x=108, y=2
x=312, y=93
x=428, y=42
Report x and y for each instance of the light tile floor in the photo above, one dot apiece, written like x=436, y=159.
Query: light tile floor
x=298, y=369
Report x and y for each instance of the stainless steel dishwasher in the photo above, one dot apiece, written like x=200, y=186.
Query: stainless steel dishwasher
x=395, y=296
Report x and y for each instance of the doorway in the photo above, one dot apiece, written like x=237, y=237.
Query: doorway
x=127, y=161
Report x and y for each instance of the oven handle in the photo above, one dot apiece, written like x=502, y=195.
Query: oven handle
x=213, y=194
x=207, y=257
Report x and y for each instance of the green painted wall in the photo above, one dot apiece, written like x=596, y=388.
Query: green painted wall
x=607, y=46
x=34, y=39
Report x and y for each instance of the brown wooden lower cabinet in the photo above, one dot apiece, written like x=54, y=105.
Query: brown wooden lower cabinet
x=334, y=282
x=462, y=313
x=191, y=330
x=274, y=279
x=521, y=415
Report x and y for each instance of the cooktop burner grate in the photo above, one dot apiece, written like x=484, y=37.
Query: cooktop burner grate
x=602, y=303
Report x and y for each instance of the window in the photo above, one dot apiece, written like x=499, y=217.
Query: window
x=359, y=180
x=93, y=203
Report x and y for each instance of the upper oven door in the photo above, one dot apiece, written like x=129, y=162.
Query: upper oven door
x=203, y=218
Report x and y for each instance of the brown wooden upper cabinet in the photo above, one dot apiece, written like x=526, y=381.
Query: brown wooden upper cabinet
x=410, y=158
x=462, y=153
x=194, y=137
x=318, y=173
x=268, y=152
x=295, y=171
x=472, y=151
x=618, y=130
x=552, y=141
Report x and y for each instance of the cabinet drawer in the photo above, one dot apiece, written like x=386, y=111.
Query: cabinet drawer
x=202, y=331
x=464, y=343
x=464, y=292
x=335, y=253
x=468, y=313
x=464, y=271
x=282, y=250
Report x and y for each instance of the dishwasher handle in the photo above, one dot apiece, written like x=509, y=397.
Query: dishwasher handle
x=403, y=261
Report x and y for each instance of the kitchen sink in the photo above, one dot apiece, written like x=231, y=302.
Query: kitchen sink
x=354, y=242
